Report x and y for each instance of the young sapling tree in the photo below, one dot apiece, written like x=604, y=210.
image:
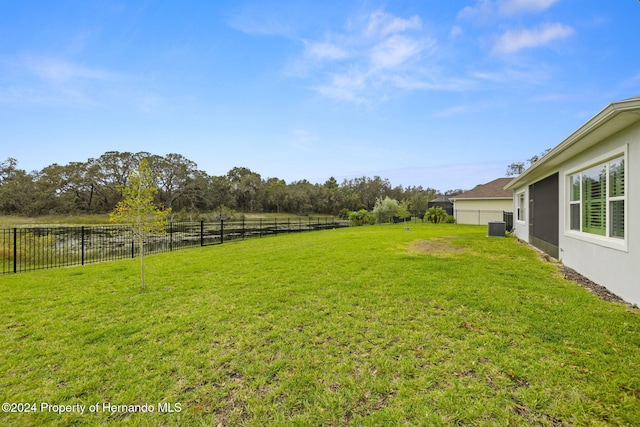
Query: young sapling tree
x=138, y=210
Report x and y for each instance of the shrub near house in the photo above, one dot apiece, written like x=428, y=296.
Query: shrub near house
x=435, y=214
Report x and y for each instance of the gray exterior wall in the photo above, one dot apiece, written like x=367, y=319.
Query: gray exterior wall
x=613, y=263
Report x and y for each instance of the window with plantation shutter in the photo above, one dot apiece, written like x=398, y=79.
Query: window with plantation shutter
x=594, y=201
x=597, y=199
x=616, y=198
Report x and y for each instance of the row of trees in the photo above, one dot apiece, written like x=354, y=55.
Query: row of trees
x=93, y=187
x=390, y=210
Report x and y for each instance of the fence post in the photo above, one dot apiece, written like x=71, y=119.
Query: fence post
x=15, y=249
x=261, y=228
x=82, y=244
x=242, y=228
x=275, y=226
x=170, y=236
x=201, y=232
x=222, y=231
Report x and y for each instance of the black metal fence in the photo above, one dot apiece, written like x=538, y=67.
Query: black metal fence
x=37, y=248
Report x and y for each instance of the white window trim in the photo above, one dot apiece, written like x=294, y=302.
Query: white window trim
x=606, y=241
x=524, y=208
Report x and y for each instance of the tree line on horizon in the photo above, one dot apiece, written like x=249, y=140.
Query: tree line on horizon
x=94, y=187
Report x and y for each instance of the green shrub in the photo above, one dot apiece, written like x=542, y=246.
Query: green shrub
x=449, y=219
x=344, y=213
x=435, y=215
x=404, y=210
x=362, y=217
x=385, y=209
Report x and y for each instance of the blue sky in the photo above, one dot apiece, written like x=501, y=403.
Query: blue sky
x=443, y=94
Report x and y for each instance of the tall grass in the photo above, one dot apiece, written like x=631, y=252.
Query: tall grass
x=362, y=326
x=50, y=220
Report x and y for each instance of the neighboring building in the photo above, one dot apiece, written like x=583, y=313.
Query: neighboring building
x=444, y=203
x=485, y=203
x=576, y=202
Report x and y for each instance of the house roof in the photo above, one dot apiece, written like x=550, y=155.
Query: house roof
x=490, y=190
x=612, y=119
x=441, y=199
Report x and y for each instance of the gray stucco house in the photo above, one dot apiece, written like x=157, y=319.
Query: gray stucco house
x=580, y=203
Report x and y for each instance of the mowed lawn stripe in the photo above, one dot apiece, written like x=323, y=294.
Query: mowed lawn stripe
x=439, y=325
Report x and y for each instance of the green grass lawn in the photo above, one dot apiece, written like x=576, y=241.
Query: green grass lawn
x=374, y=326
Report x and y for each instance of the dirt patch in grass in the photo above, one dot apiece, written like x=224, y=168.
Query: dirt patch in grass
x=537, y=419
x=435, y=247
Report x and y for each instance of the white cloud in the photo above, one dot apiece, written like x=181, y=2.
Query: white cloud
x=326, y=50
x=513, y=7
x=348, y=86
x=515, y=40
x=481, y=11
x=526, y=74
x=54, y=81
x=488, y=10
x=382, y=24
x=54, y=69
x=379, y=54
x=456, y=31
x=263, y=20
x=373, y=56
x=60, y=70
x=453, y=111
x=396, y=50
